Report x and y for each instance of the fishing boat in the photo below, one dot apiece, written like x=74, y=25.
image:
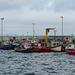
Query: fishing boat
x=70, y=51
x=53, y=46
x=39, y=48
x=70, y=48
x=34, y=41
x=6, y=45
x=25, y=48
x=15, y=43
x=56, y=46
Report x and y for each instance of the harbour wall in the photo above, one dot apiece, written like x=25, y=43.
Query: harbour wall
x=7, y=38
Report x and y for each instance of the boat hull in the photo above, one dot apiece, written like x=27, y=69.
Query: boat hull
x=70, y=51
x=23, y=50
x=6, y=47
x=57, y=48
x=41, y=49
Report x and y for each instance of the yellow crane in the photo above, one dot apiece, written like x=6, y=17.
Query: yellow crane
x=47, y=30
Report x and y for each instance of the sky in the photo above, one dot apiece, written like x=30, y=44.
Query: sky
x=19, y=16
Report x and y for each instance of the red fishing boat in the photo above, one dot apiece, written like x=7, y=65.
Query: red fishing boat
x=34, y=41
x=70, y=51
x=39, y=48
x=70, y=48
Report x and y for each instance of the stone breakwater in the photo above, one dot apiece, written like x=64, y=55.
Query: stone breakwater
x=7, y=38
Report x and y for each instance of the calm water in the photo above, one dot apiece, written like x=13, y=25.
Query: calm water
x=14, y=63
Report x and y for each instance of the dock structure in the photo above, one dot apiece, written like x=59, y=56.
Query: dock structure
x=7, y=38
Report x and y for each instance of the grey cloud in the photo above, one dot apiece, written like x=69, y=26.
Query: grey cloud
x=18, y=4
x=57, y=5
x=64, y=5
x=19, y=15
x=12, y=4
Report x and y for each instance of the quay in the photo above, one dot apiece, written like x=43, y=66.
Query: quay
x=7, y=38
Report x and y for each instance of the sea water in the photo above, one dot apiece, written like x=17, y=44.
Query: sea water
x=50, y=63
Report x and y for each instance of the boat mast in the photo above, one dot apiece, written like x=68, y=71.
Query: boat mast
x=33, y=29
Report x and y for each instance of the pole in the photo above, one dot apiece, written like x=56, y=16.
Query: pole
x=46, y=35
x=2, y=29
x=62, y=27
x=33, y=29
x=55, y=35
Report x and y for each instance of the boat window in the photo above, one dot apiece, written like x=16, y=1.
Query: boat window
x=57, y=43
x=69, y=45
x=54, y=44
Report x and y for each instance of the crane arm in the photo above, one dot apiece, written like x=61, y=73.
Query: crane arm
x=47, y=30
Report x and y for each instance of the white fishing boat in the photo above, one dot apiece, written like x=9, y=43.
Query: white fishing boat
x=56, y=46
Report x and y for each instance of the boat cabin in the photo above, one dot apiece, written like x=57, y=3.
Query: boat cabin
x=53, y=44
x=25, y=45
x=70, y=46
x=34, y=41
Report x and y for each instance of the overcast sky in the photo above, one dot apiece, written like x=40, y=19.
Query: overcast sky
x=20, y=14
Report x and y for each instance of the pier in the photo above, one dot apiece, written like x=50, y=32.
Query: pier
x=7, y=38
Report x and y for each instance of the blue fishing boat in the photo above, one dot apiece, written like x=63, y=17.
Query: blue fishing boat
x=27, y=50
x=24, y=48
x=6, y=46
